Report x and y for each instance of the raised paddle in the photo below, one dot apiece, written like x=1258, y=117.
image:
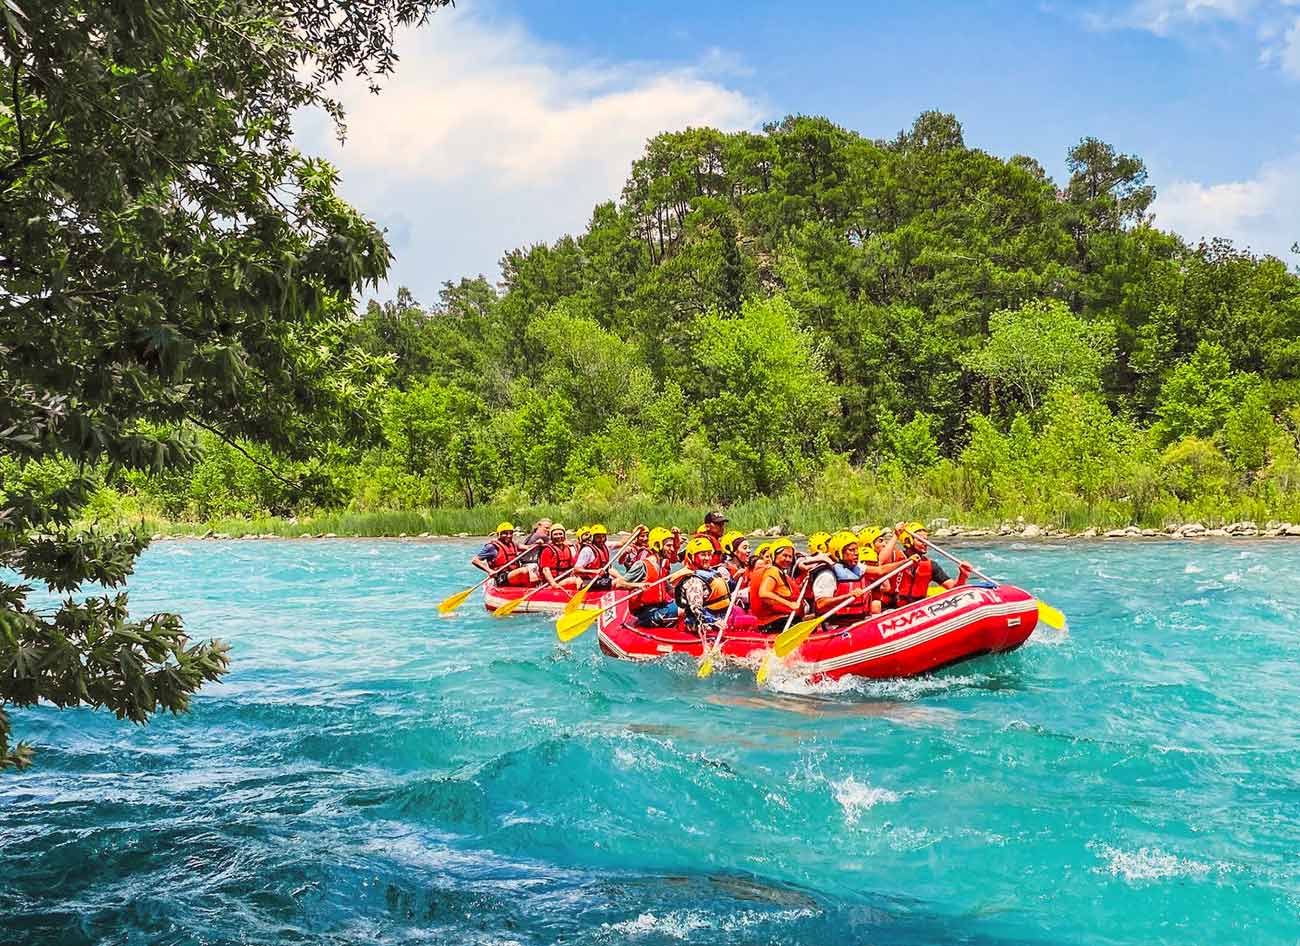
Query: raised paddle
x=450, y=604
x=790, y=639
x=570, y=626
x=711, y=653
x=575, y=602
x=1049, y=615
x=513, y=604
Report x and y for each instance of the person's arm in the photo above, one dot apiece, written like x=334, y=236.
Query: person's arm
x=582, y=564
x=823, y=592
x=486, y=555
x=766, y=591
x=631, y=580
x=693, y=589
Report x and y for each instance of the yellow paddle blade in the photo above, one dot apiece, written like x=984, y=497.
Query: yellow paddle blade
x=764, y=668
x=569, y=626
x=788, y=640
x=455, y=601
x=509, y=607
x=706, y=666
x=575, y=602
x=934, y=590
x=1051, y=616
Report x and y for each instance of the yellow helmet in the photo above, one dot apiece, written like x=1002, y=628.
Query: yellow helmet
x=840, y=541
x=697, y=545
x=764, y=548
x=504, y=527
x=867, y=537
x=597, y=529
x=909, y=530
x=656, y=538
x=729, y=541
x=557, y=527
x=817, y=541
x=778, y=544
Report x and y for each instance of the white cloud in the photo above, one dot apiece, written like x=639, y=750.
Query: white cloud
x=485, y=140
x=1288, y=56
x=1163, y=16
x=1262, y=213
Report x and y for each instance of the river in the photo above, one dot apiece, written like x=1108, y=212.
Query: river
x=372, y=772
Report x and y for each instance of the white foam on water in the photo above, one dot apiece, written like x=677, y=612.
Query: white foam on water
x=857, y=797
x=1192, y=569
x=1150, y=863
x=1233, y=578
x=680, y=924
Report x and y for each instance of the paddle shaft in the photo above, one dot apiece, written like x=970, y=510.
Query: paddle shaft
x=954, y=559
x=496, y=571
x=534, y=591
x=879, y=581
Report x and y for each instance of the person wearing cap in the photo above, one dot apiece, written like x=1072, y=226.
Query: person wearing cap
x=499, y=554
x=556, y=560
x=773, y=593
x=843, y=583
x=715, y=524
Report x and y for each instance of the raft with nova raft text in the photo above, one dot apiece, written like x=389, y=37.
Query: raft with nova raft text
x=959, y=624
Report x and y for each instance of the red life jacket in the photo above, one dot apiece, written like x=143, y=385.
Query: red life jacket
x=913, y=584
x=763, y=610
x=858, y=607
x=502, y=553
x=601, y=559
x=657, y=596
x=557, y=560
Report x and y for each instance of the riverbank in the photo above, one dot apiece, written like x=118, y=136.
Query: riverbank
x=399, y=525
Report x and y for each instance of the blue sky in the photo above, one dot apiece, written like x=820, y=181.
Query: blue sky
x=507, y=120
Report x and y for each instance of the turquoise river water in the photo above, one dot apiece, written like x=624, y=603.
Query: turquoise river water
x=370, y=772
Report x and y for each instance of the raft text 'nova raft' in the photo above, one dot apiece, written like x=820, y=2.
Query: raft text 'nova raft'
x=959, y=624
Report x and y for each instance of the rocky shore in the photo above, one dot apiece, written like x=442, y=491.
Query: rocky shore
x=939, y=529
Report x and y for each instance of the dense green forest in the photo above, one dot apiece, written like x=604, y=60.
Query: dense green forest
x=840, y=324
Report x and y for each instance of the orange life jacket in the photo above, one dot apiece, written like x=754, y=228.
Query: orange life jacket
x=764, y=611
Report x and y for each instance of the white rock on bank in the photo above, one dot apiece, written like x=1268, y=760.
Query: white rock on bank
x=1291, y=530
x=1031, y=531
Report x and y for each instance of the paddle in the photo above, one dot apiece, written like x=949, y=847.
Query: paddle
x=766, y=667
x=574, y=603
x=790, y=639
x=570, y=626
x=453, y=602
x=1049, y=615
x=510, y=606
x=710, y=653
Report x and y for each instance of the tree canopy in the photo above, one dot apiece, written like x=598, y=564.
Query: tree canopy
x=169, y=262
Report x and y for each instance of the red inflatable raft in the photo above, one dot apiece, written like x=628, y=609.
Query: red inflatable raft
x=547, y=601
x=956, y=625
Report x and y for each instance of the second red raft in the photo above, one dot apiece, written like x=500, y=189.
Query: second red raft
x=956, y=625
